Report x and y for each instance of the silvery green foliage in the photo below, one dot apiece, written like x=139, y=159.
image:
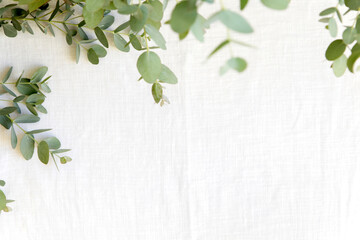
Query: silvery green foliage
x=90, y=26
x=22, y=102
x=343, y=20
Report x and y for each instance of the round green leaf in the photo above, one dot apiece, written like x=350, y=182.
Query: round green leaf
x=92, y=19
x=2, y=201
x=9, y=30
x=99, y=50
x=276, y=4
x=138, y=19
x=353, y=4
x=236, y=63
x=349, y=35
x=335, y=50
x=183, y=16
x=53, y=142
x=149, y=66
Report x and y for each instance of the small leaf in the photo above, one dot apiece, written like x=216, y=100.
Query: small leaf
x=156, y=36
x=9, y=30
x=53, y=142
x=232, y=20
x=157, y=92
x=339, y=66
x=332, y=27
x=167, y=76
x=101, y=37
x=38, y=75
x=236, y=63
x=92, y=56
x=220, y=46
x=7, y=110
x=7, y=75
x=335, y=50
x=38, y=131
x=120, y=43
x=243, y=4
x=27, y=118
x=27, y=146
x=276, y=4
x=327, y=11
x=13, y=138
x=43, y=152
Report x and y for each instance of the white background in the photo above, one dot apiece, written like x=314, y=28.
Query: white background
x=268, y=154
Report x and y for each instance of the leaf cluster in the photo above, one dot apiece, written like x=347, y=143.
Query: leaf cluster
x=90, y=26
x=343, y=52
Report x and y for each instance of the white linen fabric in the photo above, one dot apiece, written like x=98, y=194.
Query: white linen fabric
x=269, y=154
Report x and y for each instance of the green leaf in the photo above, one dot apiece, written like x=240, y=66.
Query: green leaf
x=2, y=183
x=183, y=17
x=38, y=75
x=156, y=36
x=77, y=54
x=236, y=63
x=335, y=50
x=232, y=20
x=149, y=66
x=106, y=22
x=36, y=99
x=349, y=35
x=65, y=159
x=352, y=59
x=121, y=43
x=339, y=66
x=61, y=151
x=92, y=19
x=198, y=28
x=5, y=122
x=99, y=50
x=7, y=110
x=25, y=88
x=53, y=142
x=7, y=75
x=101, y=37
x=39, y=131
x=9, y=30
x=13, y=138
x=332, y=27
x=27, y=145
x=27, y=118
x=243, y=4
x=8, y=91
x=43, y=152
x=353, y=4
x=94, y=5
x=124, y=8
x=220, y=46
x=2, y=201
x=19, y=98
x=276, y=4
x=138, y=19
x=92, y=56
x=327, y=11
x=167, y=76
x=157, y=92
